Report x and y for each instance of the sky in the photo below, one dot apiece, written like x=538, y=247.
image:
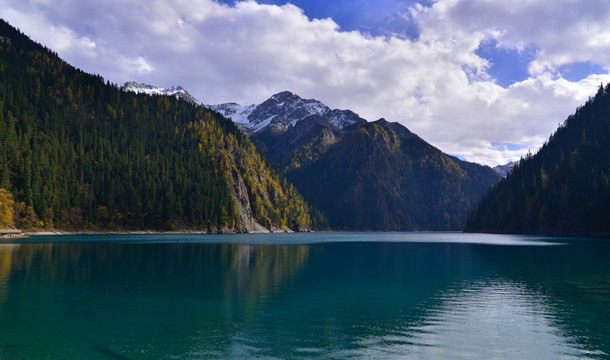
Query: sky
x=484, y=80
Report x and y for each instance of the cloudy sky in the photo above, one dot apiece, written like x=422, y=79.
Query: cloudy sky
x=482, y=79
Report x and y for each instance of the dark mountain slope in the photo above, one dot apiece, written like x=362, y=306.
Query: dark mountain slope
x=381, y=176
x=298, y=145
x=76, y=152
x=362, y=175
x=564, y=188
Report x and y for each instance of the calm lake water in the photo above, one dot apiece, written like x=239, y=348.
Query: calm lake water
x=293, y=296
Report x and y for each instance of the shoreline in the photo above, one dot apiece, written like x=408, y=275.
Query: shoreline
x=11, y=234
x=56, y=232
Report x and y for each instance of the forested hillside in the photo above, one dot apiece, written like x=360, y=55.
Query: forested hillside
x=77, y=153
x=362, y=175
x=564, y=188
x=381, y=176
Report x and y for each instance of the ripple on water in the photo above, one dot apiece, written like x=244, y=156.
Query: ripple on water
x=486, y=320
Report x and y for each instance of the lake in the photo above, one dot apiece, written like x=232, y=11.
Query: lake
x=303, y=296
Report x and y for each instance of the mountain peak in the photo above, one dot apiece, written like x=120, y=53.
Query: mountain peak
x=504, y=169
x=382, y=121
x=283, y=110
x=285, y=95
x=141, y=88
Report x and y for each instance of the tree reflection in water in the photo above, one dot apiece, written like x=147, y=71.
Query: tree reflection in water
x=423, y=298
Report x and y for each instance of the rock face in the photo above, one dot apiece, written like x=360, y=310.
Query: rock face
x=10, y=233
x=245, y=216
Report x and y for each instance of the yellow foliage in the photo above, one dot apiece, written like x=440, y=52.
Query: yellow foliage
x=6, y=208
x=544, y=178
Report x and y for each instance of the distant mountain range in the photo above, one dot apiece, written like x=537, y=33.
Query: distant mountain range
x=282, y=111
x=362, y=175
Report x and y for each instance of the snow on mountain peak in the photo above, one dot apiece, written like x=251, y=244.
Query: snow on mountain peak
x=283, y=110
x=503, y=170
x=177, y=91
x=239, y=114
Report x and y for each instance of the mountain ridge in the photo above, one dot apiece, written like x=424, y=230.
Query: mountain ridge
x=381, y=176
x=564, y=189
x=177, y=91
x=283, y=110
x=78, y=153
x=371, y=170
x=363, y=175
x=505, y=168
x=298, y=135
x=254, y=118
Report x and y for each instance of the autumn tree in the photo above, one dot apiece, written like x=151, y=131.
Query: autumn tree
x=6, y=209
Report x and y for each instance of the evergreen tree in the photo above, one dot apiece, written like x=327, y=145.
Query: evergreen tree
x=78, y=153
x=564, y=188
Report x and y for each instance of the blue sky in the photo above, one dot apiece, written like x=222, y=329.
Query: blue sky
x=379, y=18
x=485, y=80
x=392, y=18
x=507, y=66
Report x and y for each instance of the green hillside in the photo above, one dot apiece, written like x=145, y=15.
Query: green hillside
x=77, y=153
x=562, y=189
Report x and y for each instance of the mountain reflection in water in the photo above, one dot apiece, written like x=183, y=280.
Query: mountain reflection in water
x=430, y=296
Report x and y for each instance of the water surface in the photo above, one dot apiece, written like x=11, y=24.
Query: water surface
x=318, y=295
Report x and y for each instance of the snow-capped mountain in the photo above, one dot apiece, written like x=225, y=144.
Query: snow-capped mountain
x=282, y=111
x=504, y=169
x=176, y=91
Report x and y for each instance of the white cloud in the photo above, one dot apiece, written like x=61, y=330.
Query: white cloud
x=59, y=37
x=141, y=67
x=436, y=85
x=565, y=31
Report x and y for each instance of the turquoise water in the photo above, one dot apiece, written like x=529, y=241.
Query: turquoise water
x=302, y=296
